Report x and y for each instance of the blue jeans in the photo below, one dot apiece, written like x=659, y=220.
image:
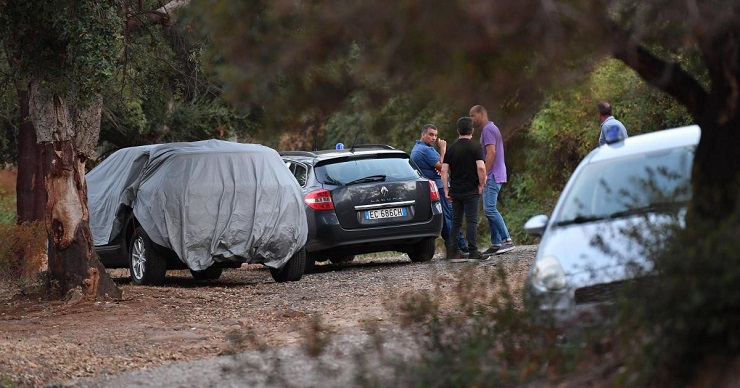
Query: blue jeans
x=466, y=205
x=447, y=223
x=499, y=232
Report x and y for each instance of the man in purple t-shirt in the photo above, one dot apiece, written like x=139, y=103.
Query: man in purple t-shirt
x=493, y=153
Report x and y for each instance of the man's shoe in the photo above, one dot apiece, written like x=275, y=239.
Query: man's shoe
x=475, y=255
x=491, y=250
x=507, y=246
x=453, y=254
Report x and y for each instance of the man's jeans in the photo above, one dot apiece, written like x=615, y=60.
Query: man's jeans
x=467, y=205
x=447, y=223
x=499, y=232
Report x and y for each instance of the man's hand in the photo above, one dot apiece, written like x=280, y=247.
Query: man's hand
x=442, y=144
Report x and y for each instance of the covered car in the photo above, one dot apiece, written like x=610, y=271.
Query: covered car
x=620, y=207
x=203, y=205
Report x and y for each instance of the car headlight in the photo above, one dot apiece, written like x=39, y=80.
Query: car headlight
x=548, y=274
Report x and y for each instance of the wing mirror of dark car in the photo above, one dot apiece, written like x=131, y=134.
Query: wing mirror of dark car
x=535, y=226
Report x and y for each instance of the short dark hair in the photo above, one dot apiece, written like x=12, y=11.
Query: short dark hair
x=427, y=126
x=479, y=109
x=605, y=109
x=465, y=125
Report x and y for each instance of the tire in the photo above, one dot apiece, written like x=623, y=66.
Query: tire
x=310, y=265
x=423, y=250
x=145, y=264
x=343, y=259
x=292, y=270
x=211, y=273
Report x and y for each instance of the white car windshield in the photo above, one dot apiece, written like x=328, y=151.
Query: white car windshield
x=651, y=182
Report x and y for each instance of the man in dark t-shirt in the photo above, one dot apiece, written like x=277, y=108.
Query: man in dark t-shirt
x=465, y=170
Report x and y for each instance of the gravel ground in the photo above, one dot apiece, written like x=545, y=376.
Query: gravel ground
x=242, y=330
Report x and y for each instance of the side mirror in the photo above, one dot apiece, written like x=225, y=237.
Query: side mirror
x=535, y=226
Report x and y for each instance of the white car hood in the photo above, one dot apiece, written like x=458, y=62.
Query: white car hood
x=606, y=251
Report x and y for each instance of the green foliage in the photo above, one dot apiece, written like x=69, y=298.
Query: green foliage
x=398, y=122
x=7, y=208
x=165, y=92
x=566, y=129
x=70, y=45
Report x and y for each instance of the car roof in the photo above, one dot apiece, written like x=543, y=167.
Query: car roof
x=649, y=142
x=358, y=151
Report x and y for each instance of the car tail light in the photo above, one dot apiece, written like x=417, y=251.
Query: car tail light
x=433, y=192
x=319, y=200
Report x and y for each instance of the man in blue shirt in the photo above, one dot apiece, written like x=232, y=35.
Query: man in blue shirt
x=429, y=162
x=612, y=130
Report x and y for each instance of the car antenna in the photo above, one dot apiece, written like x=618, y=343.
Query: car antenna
x=352, y=149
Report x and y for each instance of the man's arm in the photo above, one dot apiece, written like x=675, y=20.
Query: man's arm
x=445, y=186
x=481, y=175
x=442, y=150
x=490, y=154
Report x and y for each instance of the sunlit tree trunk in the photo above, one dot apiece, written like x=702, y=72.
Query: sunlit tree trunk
x=67, y=131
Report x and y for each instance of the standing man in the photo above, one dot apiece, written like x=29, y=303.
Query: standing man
x=612, y=130
x=429, y=162
x=463, y=178
x=493, y=152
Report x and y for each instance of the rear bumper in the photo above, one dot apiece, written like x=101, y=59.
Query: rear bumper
x=325, y=235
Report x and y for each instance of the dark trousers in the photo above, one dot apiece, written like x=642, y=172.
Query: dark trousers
x=465, y=205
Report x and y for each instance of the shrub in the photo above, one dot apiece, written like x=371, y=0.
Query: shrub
x=22, y=251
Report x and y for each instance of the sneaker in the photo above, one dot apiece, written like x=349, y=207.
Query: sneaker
x=491, y=250
x=507, y=246
x=475, y=255
x=453, y=254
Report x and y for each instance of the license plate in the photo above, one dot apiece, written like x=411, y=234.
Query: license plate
x=385, y=213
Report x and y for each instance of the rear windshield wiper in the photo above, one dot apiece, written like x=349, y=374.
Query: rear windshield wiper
x=371, y=178
x=331, y=181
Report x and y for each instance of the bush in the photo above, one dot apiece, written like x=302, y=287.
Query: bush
x=689, y=322
x=22, y=251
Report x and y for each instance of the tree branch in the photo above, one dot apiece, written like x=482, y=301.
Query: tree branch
x=666, y=76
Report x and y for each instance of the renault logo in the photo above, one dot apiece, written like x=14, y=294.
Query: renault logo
x=384, y=191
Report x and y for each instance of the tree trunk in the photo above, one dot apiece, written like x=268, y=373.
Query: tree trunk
x=31, y=195
x=716, y=177
x=66, y=138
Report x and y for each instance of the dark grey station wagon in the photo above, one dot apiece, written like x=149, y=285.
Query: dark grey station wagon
x=371, y=198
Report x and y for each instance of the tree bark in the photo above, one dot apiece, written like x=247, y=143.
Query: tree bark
x=66, y=138
x=31, y=194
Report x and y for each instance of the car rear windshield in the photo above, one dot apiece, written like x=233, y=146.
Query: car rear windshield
x=636, y=184
x=364, y=170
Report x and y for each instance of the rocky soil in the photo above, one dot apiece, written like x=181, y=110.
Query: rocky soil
x=45, y=342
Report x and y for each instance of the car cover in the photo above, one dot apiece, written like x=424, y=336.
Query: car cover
x=207, y=201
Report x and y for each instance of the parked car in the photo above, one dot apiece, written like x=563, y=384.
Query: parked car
x=619, y=206
x=202, y=206
x=370, y=198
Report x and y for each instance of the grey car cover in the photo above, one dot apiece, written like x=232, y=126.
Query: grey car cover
x=207, y=201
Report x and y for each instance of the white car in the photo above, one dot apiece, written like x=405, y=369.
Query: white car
x=620, y=205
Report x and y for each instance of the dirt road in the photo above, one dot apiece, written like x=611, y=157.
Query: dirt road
x=50, y=342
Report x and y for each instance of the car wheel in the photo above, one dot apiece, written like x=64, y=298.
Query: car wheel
x=423, y=250
x=211, y=273
x=310, y=265
x=343, y=259
x=145, y=264
x=292, y=270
